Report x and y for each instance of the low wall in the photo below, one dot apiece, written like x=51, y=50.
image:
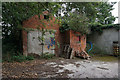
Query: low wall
x=105, y=40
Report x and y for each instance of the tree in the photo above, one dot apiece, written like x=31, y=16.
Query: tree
x=96, y=12
x=76, y=22
x=104, y=15
x=85, y=8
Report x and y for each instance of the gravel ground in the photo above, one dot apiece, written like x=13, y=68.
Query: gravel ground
x=60, y=68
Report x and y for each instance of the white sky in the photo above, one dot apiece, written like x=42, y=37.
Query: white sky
x=115, y=11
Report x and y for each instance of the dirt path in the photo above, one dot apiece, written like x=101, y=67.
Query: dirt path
x=60, y=68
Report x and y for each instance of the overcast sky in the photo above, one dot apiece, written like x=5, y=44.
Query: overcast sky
x=115, y=11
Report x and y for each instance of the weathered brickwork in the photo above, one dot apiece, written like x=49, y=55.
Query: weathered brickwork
x=77, y=41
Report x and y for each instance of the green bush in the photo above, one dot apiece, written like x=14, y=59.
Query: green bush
x=76, y=22
x=6, y=57
x=10, y=53
x=47, y=56
x=18, y=58
x=29, y=58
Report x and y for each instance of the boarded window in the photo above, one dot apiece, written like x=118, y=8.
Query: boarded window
x=46, y=17
x=79, y=38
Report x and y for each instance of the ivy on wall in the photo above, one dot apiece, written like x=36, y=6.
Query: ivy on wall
x=99, y=28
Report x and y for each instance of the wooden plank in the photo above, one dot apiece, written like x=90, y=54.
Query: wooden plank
x=72, y=54
x=68, y=50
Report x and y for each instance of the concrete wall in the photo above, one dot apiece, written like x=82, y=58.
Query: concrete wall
x=105, y=40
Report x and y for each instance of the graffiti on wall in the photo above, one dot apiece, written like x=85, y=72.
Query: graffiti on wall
x=51, y=43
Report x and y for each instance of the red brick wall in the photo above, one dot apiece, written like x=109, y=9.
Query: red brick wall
x=34, y=22
x=74, y=41
x=66, y=37
x=24, y=34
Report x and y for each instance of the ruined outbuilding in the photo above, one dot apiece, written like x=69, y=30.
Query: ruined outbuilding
x=54, y=42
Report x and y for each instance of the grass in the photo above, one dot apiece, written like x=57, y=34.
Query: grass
x=47, y=56
x=105, y=58
x=16, y=58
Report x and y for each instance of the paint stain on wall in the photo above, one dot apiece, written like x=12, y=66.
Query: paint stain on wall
x=51, y=43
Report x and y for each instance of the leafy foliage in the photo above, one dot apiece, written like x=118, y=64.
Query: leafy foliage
x=17, y=58
x=99, y=27
x=104, y=15
x=76, y=22
x=86, y=14
x=47, y=56
x=95, y=11
x=87, y=8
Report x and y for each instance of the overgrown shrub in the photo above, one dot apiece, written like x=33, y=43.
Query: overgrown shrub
x=8, y=48
x=11, y=53
x=47, y=56
x=77, y=22
x=29, y=58
x=17, y=58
